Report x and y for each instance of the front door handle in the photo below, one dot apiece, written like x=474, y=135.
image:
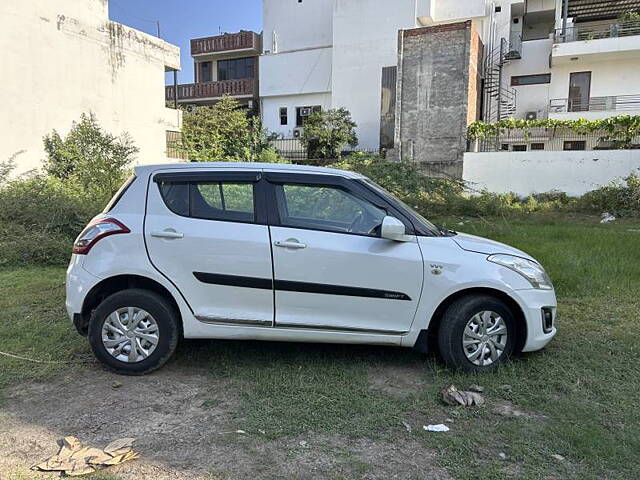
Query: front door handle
x=290, y=243
x=167, y=234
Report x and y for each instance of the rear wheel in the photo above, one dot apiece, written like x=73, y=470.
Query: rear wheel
x=134, y=332
x=477, y=333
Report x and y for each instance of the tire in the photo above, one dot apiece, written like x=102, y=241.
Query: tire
x=452, y=332
x=159, y=312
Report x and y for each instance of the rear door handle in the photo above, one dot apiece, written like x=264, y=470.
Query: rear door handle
x=291, y=243
x=167, y=234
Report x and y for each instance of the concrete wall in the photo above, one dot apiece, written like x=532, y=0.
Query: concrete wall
x=526, y=173
x=62, y=58
x=535, y=60
x=270, y=108
x=608, y=77
x=297, y=25
x=365, y=34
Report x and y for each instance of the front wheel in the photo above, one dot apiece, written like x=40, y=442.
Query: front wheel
x=134, y=332
x=477, y=333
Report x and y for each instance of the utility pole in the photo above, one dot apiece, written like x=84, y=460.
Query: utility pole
x=158, y=27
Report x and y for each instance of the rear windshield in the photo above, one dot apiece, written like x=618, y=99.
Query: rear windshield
x=116, y=198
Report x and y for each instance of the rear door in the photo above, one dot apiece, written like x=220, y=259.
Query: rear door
x=332, y=271
x=206, y=232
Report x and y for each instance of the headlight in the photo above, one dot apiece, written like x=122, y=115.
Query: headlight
x=529, y=269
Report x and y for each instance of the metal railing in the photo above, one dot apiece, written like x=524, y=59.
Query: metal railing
x=294, y=150
x=595, y=104
x=224, y=43
x=551, y=139
x=580, y=32
x=198, y=91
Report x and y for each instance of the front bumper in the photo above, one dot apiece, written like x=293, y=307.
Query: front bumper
x=532, y=302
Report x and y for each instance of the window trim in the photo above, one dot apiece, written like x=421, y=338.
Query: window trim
x=515, y=79
x=284, y=115
x=333, y=181
x=191, y=178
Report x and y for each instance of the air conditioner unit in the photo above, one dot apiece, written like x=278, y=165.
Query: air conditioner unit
x=297, y=132
x=532, y=115
x=306, y=112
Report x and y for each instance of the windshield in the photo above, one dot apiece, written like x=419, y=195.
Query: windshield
x=415, y=216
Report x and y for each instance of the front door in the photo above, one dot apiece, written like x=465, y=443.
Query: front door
x=206, y=233
x=332, y=271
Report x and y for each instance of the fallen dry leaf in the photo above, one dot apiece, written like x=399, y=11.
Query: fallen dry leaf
x=452, y=396
x=73, y=459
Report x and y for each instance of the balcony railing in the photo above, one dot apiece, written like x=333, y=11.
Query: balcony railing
x=595, y=104
x=225, y=43
x=201, y=91
x=592, y=32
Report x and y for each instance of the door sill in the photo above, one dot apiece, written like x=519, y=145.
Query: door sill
x=228, y=322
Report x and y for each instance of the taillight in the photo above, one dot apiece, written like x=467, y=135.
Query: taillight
x=95, y=231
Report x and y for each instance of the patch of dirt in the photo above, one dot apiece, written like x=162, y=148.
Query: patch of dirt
x=508, y=409
x=397, y=381
x=185, y=422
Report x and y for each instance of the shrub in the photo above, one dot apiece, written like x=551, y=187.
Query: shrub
x=620, y=197
x=327, y=133
x=95, y=161
x=39, y=218
x=223, y=132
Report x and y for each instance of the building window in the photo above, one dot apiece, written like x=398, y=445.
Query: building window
x=284, y=116
x=236, y=68
x=303, y=112
x=504, y=147
x=537, y=146
x=520, y=80
x=579, y=91
x=206, y=72
x=519, y=148
x=575, y=145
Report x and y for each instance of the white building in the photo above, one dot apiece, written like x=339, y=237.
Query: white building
x=543, y=58
x=62, y=58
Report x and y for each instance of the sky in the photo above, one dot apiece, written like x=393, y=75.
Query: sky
x=182, y=20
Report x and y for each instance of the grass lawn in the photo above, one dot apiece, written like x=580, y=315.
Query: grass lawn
x=579, y=396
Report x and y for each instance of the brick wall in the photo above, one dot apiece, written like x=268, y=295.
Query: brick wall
x=437, y=95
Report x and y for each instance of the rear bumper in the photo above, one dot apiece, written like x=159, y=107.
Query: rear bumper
x=532, y=302
x=78, y=284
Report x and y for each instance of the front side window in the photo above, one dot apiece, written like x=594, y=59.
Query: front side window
x=327, y=208
x=223, y=201
x=302, y=113
x=284, y=116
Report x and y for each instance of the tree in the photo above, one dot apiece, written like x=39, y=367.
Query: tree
x=327, y=133
x=95, y=160
x=223, y=132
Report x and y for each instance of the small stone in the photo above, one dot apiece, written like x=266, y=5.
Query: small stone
x=262, y=431
x=303, y=443
x=560, y=458
x=476, y=388
x=503, y=456
x=116, y=384
x=506, y=387
x=449, y=420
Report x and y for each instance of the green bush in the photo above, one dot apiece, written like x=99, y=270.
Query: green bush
x=620, y=197
x=39, y=219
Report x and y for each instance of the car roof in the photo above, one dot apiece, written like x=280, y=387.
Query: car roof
x=266, y=167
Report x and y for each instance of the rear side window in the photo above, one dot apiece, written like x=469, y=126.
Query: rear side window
x=223, y=201
x=119, y=194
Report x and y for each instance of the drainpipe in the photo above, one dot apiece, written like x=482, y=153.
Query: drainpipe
x=175, y=89
x=565, y=14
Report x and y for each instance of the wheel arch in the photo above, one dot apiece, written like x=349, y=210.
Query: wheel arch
x=514, y=306
x=118, y=283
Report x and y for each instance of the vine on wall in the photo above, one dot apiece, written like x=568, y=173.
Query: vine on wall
x=621, y=129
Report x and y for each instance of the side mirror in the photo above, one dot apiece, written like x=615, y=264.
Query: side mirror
x=393, y=229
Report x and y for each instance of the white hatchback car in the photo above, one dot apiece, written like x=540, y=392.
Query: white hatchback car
x=293, y=253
